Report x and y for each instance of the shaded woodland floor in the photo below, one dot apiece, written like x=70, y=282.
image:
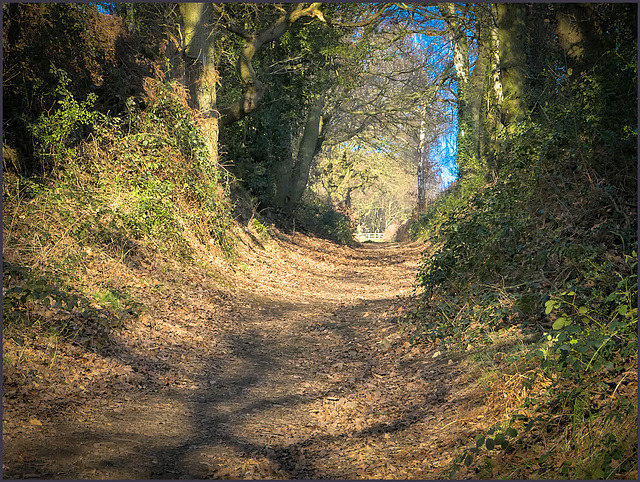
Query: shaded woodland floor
x=292, y=366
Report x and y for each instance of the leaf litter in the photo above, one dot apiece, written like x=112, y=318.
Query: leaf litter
x=294, y=367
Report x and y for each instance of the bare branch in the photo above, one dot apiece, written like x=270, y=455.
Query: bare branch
x=384, y=10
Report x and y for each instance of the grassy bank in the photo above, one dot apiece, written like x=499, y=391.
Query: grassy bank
x=136, y=192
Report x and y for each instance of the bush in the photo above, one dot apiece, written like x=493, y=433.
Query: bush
x=549, y=249
x=322, y=219
x=56, y=132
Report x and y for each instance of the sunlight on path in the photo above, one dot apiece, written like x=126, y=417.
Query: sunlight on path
x=299, y=371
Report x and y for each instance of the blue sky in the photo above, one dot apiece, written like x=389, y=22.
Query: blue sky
x=440, y=53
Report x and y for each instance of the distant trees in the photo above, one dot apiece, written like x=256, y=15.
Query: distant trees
x=388, y=104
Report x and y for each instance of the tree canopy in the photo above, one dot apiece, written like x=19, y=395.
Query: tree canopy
x=290, y=94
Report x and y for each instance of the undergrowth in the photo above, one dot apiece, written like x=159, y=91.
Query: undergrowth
x=137, y=190
x=321, y=218
x=548, y=250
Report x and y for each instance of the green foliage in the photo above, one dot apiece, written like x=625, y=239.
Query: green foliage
x=140, y=186
x=56, y=131
x=165, y=165
x=471, y=286
x=549, y=248
x=591, y=332
x=552, y=220
x=454, y=198
x=260, y=229
x=322, y=219
x=337, y=226
x=583, y=360
x=51, y=56
x=148, y=178
x=261, y=148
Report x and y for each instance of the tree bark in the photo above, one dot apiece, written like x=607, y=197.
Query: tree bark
x=476, y=100
x=513, y=62
x=493, y=100
x=458, y=41
x=421, y=162
x=200, y=73
x=308, y=148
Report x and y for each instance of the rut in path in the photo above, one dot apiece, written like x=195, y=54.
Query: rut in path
x=298, y=372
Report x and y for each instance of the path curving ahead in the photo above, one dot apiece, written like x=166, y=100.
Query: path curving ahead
x=295, y=370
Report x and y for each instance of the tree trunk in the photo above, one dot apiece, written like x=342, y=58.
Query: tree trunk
x=293, y=192
x=513, y=62
x=421, y=163
x=200, y=73
x=577, y=35
x=493, y=99
x=476, y=100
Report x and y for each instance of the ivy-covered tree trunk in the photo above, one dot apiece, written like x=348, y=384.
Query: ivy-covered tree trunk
x=476, y=99
x=513, y=62
x=422, y=166
x=200, y=72
x=470, y=95
x=493, y=97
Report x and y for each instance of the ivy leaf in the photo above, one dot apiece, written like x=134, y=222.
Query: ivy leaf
x=468, y=460
x=491, y=444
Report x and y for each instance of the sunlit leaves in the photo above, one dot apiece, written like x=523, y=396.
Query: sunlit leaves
x=561, y=322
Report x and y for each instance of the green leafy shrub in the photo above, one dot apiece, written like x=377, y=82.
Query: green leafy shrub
x=165, y=166
x=545, y=250
x=322, y=219
x=591, y=334
x=260, y=229
x=56, y=131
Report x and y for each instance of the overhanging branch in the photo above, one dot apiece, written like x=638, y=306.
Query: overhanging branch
x=254, y=88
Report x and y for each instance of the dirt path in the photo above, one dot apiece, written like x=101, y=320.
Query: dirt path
x=298, y=371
